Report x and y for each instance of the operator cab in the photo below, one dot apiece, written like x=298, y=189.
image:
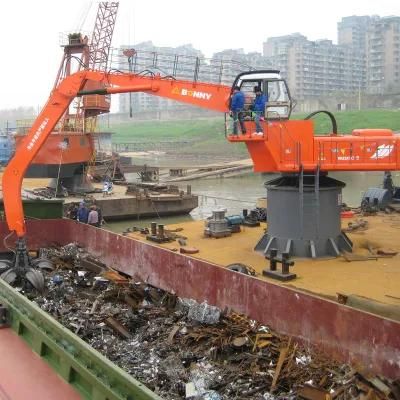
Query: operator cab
x=279, y=102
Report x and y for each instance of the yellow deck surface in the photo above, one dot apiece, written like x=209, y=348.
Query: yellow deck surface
x=376, y=279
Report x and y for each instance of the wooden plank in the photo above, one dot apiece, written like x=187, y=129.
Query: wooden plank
x=312, y=393
x=117, y=327
x=282, y=356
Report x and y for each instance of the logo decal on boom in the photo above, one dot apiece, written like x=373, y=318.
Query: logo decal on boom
x=192, y=93
x=37, y=134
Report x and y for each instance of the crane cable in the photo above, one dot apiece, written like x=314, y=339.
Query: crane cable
x=85, y=13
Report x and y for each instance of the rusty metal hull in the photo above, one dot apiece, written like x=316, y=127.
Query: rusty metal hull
x=71, y=150
x=354, y=336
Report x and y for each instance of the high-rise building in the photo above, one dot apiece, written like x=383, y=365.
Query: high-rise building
x=383, y=55
x=234, y=61
x=352, y=31
x=251, y=60
x=316, y=68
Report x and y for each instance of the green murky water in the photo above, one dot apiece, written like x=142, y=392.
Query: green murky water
x=237, y=193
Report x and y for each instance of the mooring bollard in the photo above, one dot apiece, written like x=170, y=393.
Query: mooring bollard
x=272, y=272
x=153, y=228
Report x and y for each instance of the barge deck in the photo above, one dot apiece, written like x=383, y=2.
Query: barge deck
x=377, y=278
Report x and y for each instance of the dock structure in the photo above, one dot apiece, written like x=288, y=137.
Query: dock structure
x=189, y=173
x=147, y=205
x=146, y=146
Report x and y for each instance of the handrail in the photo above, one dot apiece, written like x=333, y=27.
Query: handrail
x=189, y=67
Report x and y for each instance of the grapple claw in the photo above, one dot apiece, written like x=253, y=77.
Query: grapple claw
x=36, y=279
x=22, y=270
x=43, y=263
x=5, y=265
x=9, y=276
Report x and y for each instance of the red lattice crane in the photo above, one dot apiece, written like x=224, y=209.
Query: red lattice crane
x=71, y=146
x=94, y=57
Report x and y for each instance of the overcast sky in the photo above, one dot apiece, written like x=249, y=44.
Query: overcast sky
x=30, y=31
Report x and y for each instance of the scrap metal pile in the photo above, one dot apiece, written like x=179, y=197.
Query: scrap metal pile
x=185, y=350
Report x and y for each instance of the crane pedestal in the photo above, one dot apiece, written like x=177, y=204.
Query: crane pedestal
x=304, y=216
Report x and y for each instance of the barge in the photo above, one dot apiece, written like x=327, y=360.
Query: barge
x=369, y=341
x=124, y=202
x=135, y=202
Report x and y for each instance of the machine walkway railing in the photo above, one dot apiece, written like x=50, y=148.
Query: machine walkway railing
x=184, y=67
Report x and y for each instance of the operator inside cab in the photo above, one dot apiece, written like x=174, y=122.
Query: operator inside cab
x=266, y=95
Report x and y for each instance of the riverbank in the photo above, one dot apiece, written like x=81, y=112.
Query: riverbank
x=205, y=137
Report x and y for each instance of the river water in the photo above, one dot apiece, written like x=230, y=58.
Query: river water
x=237, y=193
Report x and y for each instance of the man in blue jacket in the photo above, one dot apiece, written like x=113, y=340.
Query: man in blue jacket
x=259, y=108
x=83, y=213
x=237, y=105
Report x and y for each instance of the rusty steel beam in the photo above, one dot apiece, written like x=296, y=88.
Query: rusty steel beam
x=347, y=334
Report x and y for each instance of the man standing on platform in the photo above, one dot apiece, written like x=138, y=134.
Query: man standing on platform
x=237, y=106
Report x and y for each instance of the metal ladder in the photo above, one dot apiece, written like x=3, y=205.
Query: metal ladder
x=315, y=203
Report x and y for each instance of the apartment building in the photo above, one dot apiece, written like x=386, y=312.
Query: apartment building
x=231, y=62
x=240, y=60
x=378, y=38
x=383, y=55
x=366, y=58
x=316, y=68
x=352, y=31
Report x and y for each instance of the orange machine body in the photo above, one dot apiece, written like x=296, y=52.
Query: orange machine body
x=291, y=146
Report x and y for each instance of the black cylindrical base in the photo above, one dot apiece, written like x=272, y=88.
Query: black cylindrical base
x=304, y=219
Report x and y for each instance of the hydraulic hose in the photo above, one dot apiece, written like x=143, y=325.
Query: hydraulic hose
x=330, y=115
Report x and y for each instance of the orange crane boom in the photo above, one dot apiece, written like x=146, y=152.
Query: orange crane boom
x=211, y=96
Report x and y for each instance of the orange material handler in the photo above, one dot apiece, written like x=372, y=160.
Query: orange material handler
x=284, y=146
